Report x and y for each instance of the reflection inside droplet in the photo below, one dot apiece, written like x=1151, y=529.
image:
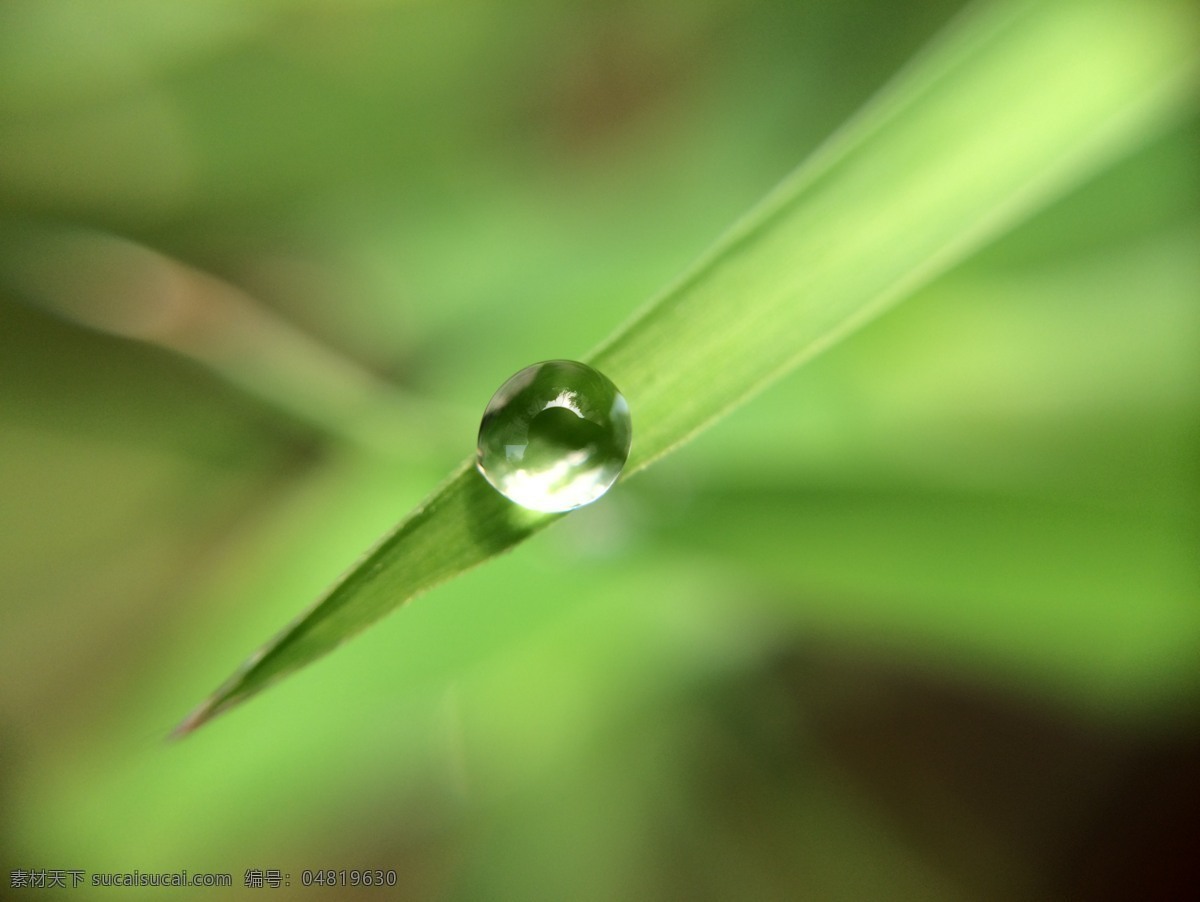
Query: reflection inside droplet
x=555, y=436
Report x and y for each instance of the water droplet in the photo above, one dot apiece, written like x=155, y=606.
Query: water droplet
x=555, y=436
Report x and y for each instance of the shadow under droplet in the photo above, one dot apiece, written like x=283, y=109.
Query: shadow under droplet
x=495, y=523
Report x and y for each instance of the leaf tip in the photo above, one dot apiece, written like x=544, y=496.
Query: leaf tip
x=199, y=716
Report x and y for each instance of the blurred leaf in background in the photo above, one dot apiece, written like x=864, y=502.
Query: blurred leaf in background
x=922, y=621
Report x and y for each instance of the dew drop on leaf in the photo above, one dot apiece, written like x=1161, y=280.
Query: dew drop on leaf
x=555, y=436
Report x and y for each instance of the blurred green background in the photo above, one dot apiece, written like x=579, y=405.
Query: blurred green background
x=920, y=622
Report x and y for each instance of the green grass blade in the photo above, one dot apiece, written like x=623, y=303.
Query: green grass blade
x=463, y=523
x=1009, y=108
